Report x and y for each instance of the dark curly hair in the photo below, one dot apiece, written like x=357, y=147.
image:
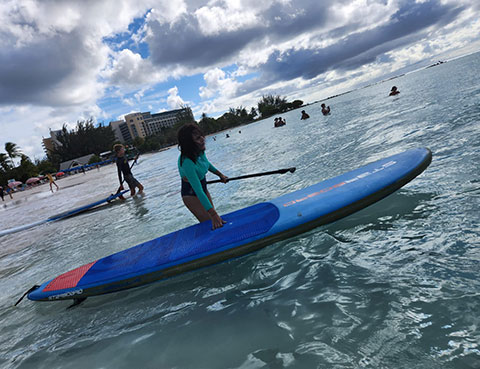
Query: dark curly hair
x=187, y=147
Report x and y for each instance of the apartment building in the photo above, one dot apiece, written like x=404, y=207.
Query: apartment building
x=121, y=131
x=49, y=144
x=147, y=124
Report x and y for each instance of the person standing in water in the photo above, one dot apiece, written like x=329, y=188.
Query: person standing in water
x=51, y=182
x=123, y=167
x=192, y=166
x=325, y=109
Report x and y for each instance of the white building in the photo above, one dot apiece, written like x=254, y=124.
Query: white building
x=49, y=144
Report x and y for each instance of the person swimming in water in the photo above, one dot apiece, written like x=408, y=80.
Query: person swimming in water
x=304, y=115
x=278, y=122
x=325, y=109
x=394, y=91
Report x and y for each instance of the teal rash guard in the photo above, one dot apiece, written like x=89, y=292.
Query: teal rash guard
x=195, y=172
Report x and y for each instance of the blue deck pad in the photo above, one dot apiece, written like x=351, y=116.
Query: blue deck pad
x=180, y=246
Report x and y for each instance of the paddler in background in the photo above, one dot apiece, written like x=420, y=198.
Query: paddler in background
x=123, y=167
x=192, y=166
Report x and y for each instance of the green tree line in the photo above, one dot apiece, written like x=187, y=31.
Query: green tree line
x=83, y=140
x=266, y=107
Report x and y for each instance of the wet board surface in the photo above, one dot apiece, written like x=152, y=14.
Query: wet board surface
x=63, y=215
x=247, y=230
x=86, y=207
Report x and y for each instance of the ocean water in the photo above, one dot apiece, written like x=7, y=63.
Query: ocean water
x=396, y=285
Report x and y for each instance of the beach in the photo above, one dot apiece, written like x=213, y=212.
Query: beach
x=64, y=181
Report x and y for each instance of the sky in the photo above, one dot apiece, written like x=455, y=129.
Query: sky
x=63, y=61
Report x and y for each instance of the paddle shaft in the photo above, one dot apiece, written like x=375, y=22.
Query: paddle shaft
x=280, y=171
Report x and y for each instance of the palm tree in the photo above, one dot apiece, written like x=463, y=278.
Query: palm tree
x=13, y=151
x=4, y=161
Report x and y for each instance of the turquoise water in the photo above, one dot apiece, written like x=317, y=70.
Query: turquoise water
x=395, y=285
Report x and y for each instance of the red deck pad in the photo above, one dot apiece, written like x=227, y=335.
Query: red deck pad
x=68, y=279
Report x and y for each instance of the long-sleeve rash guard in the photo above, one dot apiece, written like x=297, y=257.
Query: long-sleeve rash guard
x=195, y=172
x=123, y=167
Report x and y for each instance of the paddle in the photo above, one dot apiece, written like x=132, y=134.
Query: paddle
x=279, y=171
x=119, y=188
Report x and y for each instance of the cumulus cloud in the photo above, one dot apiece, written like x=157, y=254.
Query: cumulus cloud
x=174, y=101
x=183, y=43
x=130, y=69
x=407, y=25
x=215, y=20
x=216, y=34
x=51, y=71
x=287, y=40
x=52, y=51
x=167, y=11
x=217, y=82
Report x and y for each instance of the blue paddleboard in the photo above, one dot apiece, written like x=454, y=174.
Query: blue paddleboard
x=63, y=215
x=247, y=230
x=83, y=208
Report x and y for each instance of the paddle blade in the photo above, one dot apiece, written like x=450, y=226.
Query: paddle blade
x=282, y=171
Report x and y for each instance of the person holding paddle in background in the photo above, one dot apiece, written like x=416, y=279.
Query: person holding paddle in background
x=123, y=167
x=192, y=166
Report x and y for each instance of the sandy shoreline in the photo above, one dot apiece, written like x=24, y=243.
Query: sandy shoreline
x=66, y=181
x=62, y=182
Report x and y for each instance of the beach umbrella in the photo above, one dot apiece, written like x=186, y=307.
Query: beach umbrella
x=14, y=184
x=59, y=174
x=32, y=180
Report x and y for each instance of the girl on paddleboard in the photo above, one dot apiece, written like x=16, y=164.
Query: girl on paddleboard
x=193, y=165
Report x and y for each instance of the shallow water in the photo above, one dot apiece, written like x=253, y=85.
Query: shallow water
x=395, y=285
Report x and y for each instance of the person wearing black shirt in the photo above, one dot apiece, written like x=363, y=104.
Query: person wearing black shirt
x=124, y=168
